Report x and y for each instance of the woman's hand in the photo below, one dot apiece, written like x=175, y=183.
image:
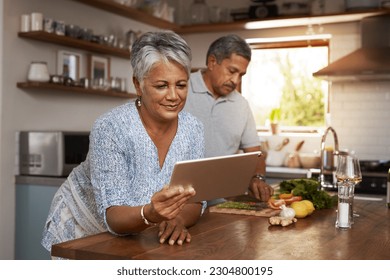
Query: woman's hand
x=167, y=203
x=173, y=231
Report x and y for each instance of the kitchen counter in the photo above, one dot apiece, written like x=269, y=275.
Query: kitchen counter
x=235, y=237
x=286, y=172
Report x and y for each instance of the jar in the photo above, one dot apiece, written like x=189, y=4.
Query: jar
x=38, y=72
x=199, y=12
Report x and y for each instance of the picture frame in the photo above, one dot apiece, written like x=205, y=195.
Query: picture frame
x=98, y=67
x=69, y=64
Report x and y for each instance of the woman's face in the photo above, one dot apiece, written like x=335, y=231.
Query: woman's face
x=163, y=91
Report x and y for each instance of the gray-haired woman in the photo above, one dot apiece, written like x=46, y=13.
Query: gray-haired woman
x=122, y=186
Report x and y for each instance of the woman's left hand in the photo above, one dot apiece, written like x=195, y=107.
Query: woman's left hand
x=174, y=231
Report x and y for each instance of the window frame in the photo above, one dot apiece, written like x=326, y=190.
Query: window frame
x=295, y=44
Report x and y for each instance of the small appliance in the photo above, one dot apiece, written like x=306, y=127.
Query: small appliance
x=51, y=153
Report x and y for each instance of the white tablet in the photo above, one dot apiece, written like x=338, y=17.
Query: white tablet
x=216, y=177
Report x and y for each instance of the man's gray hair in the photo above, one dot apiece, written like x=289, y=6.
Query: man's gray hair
x=227, y=45
x=161, y=46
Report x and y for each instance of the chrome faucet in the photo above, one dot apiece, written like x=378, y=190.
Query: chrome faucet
x=335, y=152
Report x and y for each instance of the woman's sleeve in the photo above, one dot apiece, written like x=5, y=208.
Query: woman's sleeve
x=199, y=141
x=109, y=171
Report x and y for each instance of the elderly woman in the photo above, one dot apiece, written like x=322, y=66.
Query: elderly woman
x=122, y=186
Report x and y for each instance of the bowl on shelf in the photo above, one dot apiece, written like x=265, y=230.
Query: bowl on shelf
x=310, y=160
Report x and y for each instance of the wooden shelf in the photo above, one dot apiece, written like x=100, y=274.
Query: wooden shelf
x=276, y=22
x=279, y=22
x=128, y=12
x=75, y=43
x=51, y=86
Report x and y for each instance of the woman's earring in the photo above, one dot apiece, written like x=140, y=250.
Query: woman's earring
x=138, y=102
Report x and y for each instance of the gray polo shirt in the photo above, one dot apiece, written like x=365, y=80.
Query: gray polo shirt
x=228, y=121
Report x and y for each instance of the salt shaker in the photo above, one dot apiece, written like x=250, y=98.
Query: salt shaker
x=343, y=216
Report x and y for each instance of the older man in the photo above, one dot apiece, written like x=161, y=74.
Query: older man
x=226, y=115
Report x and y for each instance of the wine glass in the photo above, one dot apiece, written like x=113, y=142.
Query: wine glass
x=348, y=174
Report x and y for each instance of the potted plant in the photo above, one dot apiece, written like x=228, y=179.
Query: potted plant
x=274, y=118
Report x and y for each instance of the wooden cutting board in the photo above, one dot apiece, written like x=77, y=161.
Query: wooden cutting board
x=261, y=209
x=267, y=212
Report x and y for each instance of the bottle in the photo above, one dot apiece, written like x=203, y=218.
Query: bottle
x=388, y=190
x=199, y=11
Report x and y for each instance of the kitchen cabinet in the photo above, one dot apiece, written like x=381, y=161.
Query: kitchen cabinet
x=284, y=21
x=32, y=207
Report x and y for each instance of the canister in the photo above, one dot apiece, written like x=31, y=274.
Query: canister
x=38, y=72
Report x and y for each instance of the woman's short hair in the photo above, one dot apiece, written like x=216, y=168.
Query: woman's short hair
x=227, y=45
x=159, y=46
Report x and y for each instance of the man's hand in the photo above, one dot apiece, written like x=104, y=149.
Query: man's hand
x=260, y=189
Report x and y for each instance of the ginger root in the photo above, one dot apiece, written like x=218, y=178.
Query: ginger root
x=283, y=221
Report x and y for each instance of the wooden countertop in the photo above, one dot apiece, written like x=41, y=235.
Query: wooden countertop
x=226, y=236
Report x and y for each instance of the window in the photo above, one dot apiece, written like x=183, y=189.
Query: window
x=280, y=76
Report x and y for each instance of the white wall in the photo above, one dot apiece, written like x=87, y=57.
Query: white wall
x=360, y=114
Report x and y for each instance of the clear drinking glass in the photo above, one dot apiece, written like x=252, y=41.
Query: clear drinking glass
x=348, y=175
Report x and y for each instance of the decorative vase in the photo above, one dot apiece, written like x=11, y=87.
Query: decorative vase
x=274, y=128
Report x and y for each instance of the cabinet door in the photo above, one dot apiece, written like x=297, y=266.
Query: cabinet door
x=32, y=207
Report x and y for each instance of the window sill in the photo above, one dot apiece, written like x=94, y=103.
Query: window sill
x=291, y=131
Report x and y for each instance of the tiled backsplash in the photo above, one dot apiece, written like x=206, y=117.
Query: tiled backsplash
x=360, y=113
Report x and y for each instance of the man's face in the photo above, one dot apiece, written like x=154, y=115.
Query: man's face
x=225, y=77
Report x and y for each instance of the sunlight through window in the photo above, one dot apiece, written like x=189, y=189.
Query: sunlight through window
x=281, y=77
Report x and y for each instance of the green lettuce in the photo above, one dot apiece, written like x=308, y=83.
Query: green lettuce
x=309, y=189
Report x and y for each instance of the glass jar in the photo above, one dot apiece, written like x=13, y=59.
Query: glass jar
x=199, y=12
